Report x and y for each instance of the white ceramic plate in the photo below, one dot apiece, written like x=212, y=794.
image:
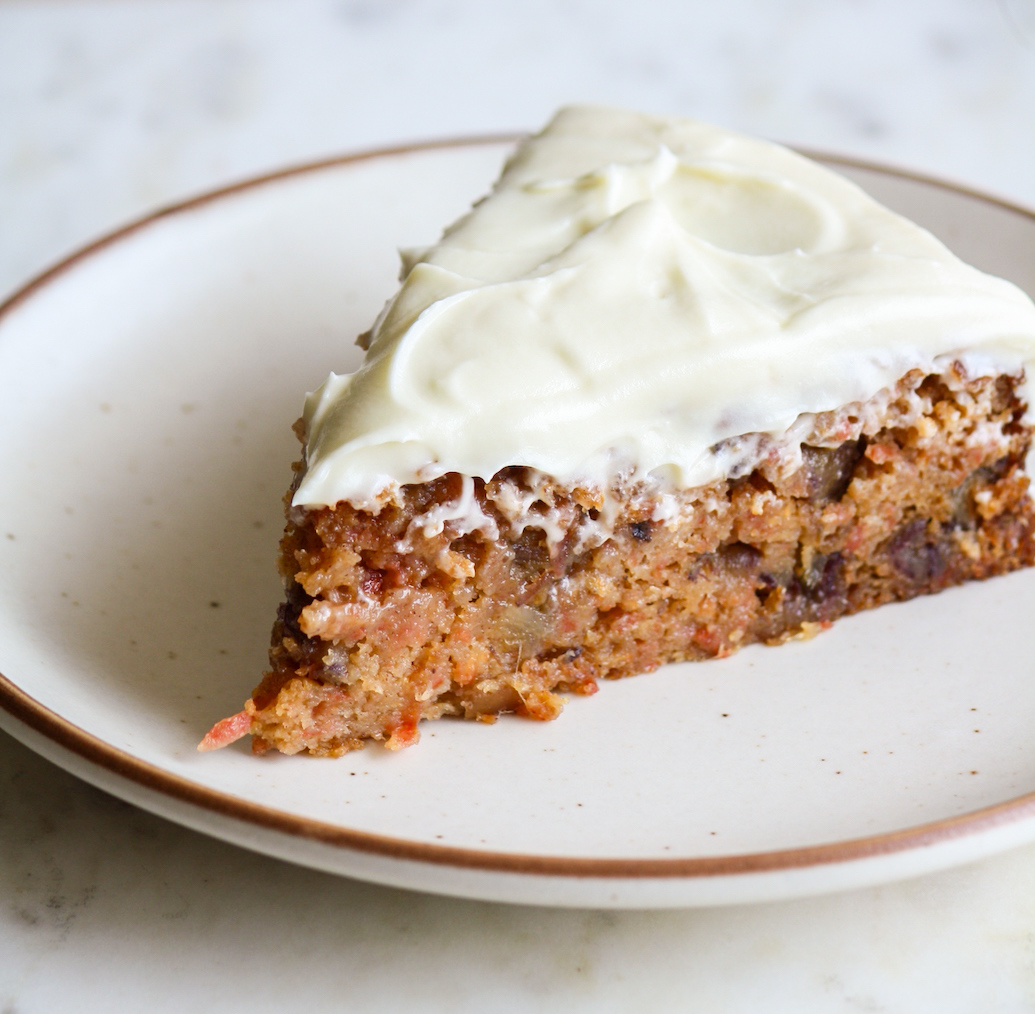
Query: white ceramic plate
x=149, y=387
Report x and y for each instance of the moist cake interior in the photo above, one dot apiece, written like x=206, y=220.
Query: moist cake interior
x=400, y=616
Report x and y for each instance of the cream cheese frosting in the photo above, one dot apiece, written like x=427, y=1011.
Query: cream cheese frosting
x=634, y=292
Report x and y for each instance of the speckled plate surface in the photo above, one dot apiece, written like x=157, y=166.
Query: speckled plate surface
x=150, y=385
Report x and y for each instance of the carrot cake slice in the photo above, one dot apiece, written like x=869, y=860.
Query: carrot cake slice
x=665, y=392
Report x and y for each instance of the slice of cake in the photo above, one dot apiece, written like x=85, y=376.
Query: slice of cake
x=667, y=391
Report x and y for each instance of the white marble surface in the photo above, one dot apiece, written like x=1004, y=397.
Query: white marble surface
x=111, y=107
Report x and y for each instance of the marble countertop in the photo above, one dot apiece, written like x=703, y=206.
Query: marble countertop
x=109, y=109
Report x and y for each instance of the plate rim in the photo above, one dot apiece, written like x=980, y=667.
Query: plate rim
x=26, y=710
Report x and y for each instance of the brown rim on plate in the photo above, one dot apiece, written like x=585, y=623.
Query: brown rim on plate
x=26, y=709
x=69, y=736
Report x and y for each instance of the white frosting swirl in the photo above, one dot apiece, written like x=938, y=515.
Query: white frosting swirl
x=634, y=291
